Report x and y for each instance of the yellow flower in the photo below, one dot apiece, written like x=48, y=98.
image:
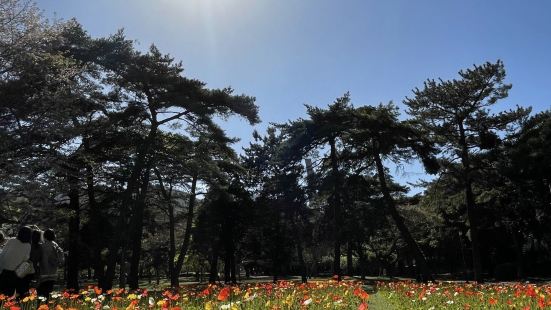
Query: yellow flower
x=209, y=306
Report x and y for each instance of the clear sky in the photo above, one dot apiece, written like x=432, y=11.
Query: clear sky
x=290, y=52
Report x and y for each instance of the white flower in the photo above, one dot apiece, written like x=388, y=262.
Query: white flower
x=253, y=296
x=106, y=307
x=449, y=302
x=151, y=301
x=226, y=306
x=307, y=302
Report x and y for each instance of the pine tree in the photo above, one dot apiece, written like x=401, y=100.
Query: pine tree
x=456, y=115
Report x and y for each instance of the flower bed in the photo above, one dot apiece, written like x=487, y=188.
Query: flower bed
x=449, y=295
x=283, y=295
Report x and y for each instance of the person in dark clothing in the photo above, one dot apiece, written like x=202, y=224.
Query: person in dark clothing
x=52, y=256
x=15, y=252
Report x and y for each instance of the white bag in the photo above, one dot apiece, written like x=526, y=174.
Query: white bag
x=24, y=269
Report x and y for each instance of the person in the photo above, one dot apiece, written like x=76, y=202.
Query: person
x=51, y=257
x=35, y=257
x=16, y=251
x=3, y=241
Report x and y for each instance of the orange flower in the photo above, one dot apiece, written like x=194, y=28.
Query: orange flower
x=541, y=302
x=361, y=293
x=224, y=294
x=43, y=307
x=97, y=290
x=15, y=308
x=363, y=306
x=492, y=301
x=422, y=294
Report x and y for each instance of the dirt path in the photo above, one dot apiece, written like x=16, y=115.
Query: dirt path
x=377, y=302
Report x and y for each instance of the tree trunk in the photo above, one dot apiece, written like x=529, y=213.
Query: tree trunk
x=74, y=231
x=471, y=205
x=174, y=276
x=337, y=201
x=136, y=246
x=107, y=282
x=123, y=270
x=141, y=172
x=116, y=245
x=213, y=276
x=227, y=265
x=349, y=260
x=473, y=226
x=362, y=261
x=167, y=196
x=233, y=269
x=95, y=224
x=424, y=271
x=303, y=271
x=519, y=255
x=189, y=223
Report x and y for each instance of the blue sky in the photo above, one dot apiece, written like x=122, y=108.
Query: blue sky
x=290, y=52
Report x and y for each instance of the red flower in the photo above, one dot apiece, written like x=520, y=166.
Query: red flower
x=492, y=301
x=205, y=292
x=531, y=292
x=363, y=306
x=224, y=294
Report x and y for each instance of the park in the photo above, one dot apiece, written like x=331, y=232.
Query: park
x=239, y=154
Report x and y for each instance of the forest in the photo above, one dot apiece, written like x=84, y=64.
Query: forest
x=128, y=160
